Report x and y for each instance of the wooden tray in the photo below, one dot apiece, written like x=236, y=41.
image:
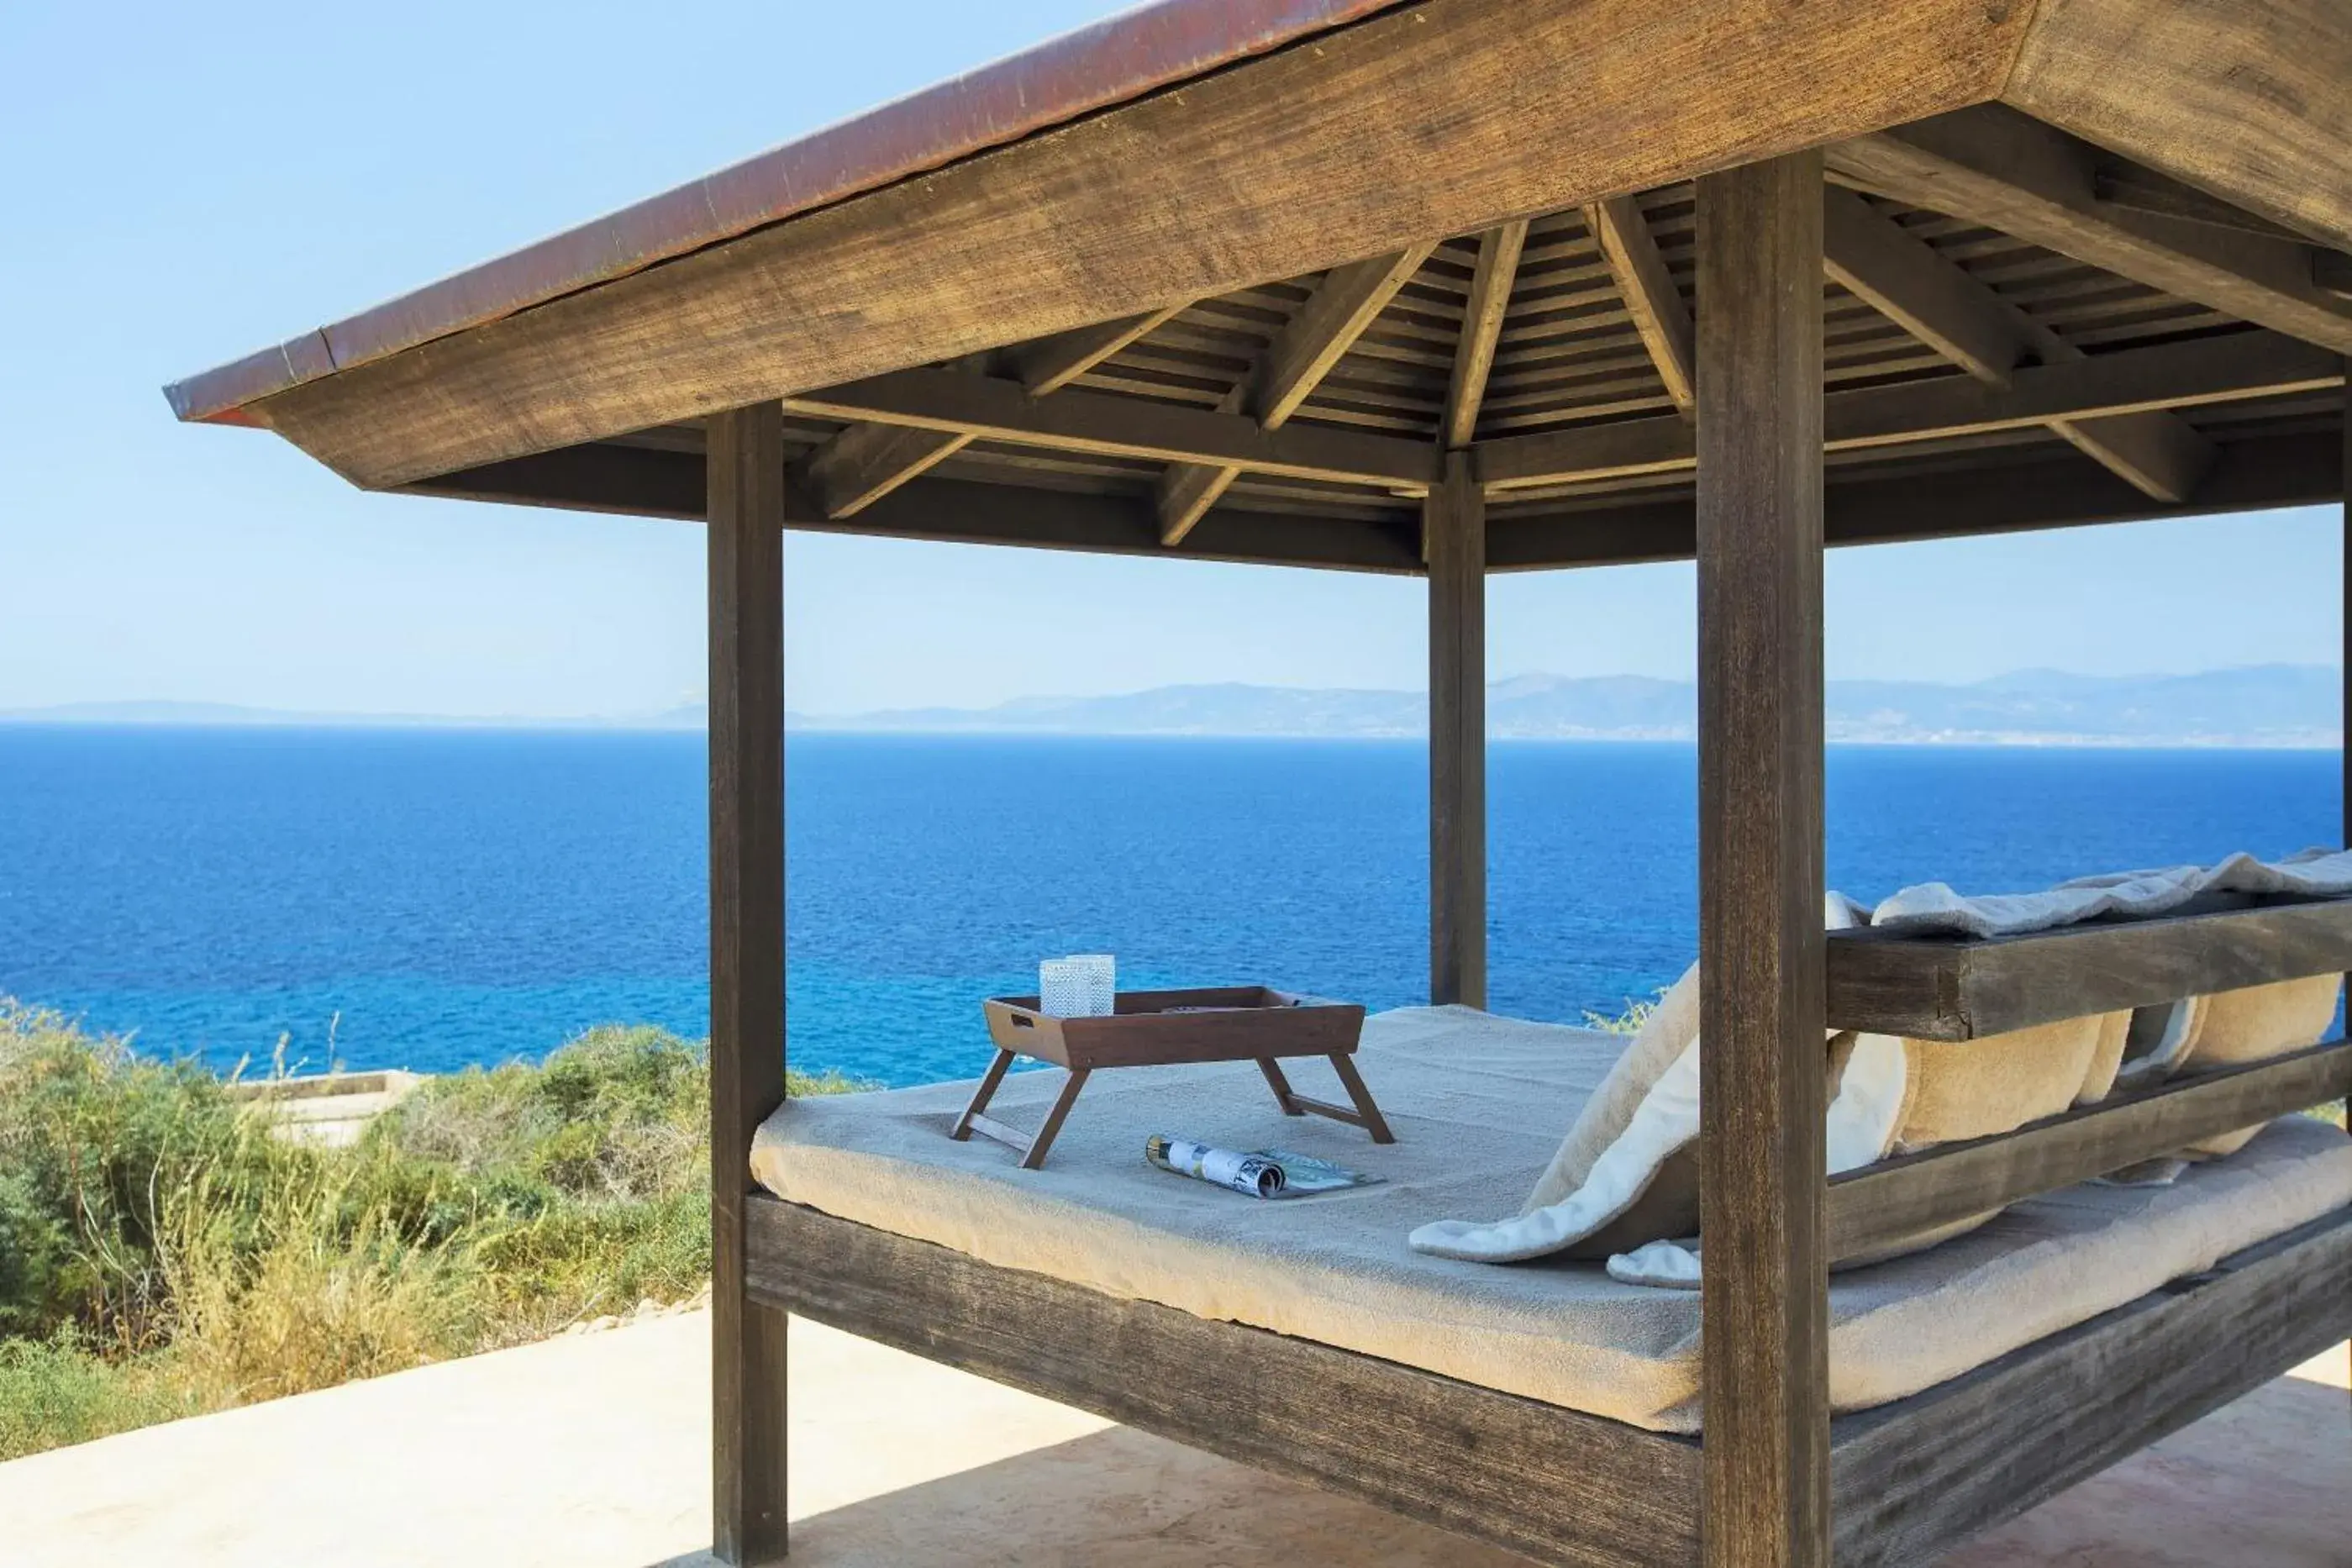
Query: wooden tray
x=1161, y=1028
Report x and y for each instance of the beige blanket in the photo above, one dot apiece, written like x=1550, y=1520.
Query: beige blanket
x=1478, y=1103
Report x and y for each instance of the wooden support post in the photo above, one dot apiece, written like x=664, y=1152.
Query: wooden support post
x=1453, y=535
x=1765, y=1299
x=746, y=528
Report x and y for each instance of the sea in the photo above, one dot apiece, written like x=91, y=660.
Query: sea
x=440, y=898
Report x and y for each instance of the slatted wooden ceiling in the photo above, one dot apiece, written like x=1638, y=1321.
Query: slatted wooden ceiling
x=1575, y=326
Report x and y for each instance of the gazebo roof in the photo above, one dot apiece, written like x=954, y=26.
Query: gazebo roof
x=1226, y=279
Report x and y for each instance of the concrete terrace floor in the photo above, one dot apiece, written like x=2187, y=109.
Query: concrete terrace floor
x=590, y=1452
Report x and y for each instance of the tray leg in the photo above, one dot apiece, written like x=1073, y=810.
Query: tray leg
x=1373, y=1121
x=1044, y=1141
x=1280, y=1084
x=981, y=1096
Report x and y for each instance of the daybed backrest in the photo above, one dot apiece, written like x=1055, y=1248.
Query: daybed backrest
x=2264, y=974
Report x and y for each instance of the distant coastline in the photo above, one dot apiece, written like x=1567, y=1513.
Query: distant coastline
x=2279, y=707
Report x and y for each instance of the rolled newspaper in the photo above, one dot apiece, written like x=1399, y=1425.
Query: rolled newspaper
x=1252, y=1174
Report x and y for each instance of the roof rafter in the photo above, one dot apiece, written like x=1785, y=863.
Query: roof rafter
x=1904, y=279
x=1645, y=285
x=2091, y=390
x=2331, y=273
x=1112, y=425
x=1994, y=166
x=866, y=462
x=1962, y=318
x=1051, y=364
x=1346, y=302
x=1499, y=250
x=2052, y=491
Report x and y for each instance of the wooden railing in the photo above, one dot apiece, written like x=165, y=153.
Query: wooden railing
x=1879, y=1204
x=1935, y=988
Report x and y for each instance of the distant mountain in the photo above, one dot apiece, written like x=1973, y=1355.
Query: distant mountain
x=2264, y=705
x=2260, y=705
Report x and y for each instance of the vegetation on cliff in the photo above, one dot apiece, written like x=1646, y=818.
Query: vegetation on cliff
x=163, y=1251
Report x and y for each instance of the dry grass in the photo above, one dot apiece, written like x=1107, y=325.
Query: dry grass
x=162, y=1252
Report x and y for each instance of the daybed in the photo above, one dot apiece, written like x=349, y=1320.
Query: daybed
x=1440, y=289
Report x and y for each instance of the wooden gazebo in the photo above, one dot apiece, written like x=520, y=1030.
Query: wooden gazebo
x=1444, y=288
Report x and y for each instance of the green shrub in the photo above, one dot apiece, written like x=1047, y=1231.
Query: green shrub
x=56, y=1392
x=164, y=1251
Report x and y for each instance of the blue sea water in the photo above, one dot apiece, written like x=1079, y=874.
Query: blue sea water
x=432, y=899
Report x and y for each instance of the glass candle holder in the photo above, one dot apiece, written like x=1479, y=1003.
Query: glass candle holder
x=1084, y=985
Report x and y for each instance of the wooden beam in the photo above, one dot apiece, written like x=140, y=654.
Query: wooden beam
x=1454, y=529
x=1185, y=497
x=866, y=462
x=1346, y=302
x=2143, y=189
x=1937, y=300
x=1051, y=364
x=1762, y=1155
x=1645, y=285
x=2157, y=454
x=2077, y=391
x=638, y=482
x=2331, y=273
x=2247, y=102
x=1879, y=1205
x=1905, y=279
x=1497, y=271
x=1916, y=1478
x=1424, y=121
x=2041, y=490
x=1187, y=490
x=1112, y=425
x=748, y=507
x=1941, y=988
x=1994, y=166
x=1480, y=1463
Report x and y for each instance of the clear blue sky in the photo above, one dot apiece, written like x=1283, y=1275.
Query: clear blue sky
x=187, y=184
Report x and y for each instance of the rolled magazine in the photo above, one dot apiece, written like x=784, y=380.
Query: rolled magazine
x=1259, y=1173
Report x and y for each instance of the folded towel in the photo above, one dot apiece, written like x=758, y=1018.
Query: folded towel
x=1934, y=909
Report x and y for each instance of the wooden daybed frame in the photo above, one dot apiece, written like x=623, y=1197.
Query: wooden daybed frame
x=1410, y=289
